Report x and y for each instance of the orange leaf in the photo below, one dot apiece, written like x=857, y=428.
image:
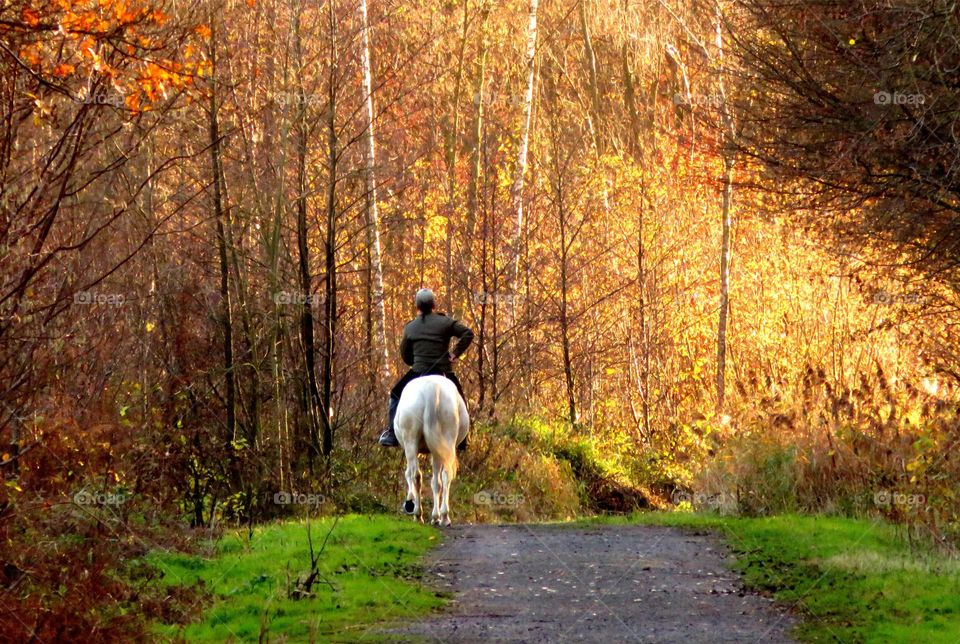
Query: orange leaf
x=29, y=53
x=132, y=102
x=31, y=16
x=63, y=70
x=203, y=31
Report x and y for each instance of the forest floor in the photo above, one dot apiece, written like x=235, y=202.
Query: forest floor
x=613, y=583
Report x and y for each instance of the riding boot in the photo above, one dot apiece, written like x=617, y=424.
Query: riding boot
x=388, y=438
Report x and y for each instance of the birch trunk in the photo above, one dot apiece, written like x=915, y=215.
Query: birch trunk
x=729, y=160
x=516, y=193
x=476, y=165
x=382, y=353
x=451, y=160
x=593, y=112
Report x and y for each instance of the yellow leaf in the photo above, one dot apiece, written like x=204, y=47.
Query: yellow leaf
x=150, y=327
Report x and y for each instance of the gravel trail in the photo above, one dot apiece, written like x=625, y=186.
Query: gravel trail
x=611, y=583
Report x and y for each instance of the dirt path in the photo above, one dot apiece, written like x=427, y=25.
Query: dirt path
x=612, y=584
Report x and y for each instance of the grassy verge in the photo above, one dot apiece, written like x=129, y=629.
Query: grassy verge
x=851, y=580
x=372, y=565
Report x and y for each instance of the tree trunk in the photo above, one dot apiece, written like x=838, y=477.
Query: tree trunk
x=330, y=245
x=630, y=103
x=642, y=312
x=373, y=220
x=220, y=214
x=567, y=236
x=729, y=160
x=590, y=62
x=593, y=114
x=312, y=405
x=516, y=192
x=451, y=160
x=728, y=163
x=477, y=163
x=564, y=315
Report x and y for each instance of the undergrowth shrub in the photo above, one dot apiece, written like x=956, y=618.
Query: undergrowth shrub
x=523, y=470
x=875, y=448
x=506, y=479
x=594, y=470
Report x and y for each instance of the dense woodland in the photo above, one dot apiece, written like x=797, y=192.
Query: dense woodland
x=708, y=248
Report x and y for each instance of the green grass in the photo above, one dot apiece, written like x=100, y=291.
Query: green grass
x=850, y=580
x=372, y=562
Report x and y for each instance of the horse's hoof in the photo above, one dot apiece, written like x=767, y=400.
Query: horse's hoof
x=408, y=506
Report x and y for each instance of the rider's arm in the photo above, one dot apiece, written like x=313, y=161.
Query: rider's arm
x=406, y=350
x=465, y=335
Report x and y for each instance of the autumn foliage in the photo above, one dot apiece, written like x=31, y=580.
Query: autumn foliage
x=188, y=308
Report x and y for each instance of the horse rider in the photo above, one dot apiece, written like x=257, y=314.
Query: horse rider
x=425, y=347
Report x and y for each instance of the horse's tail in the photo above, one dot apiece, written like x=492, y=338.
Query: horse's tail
x=431, y=415
x=434, y=415
x=452, y=461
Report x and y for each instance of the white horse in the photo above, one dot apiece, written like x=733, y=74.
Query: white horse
x=431, y=419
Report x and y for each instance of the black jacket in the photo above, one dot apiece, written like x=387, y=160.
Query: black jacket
x=426, y=341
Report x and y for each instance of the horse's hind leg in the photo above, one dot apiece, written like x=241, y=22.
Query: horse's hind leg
x=419, y=493
x=446, y=478
x=412, y=504
x=437, y=488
